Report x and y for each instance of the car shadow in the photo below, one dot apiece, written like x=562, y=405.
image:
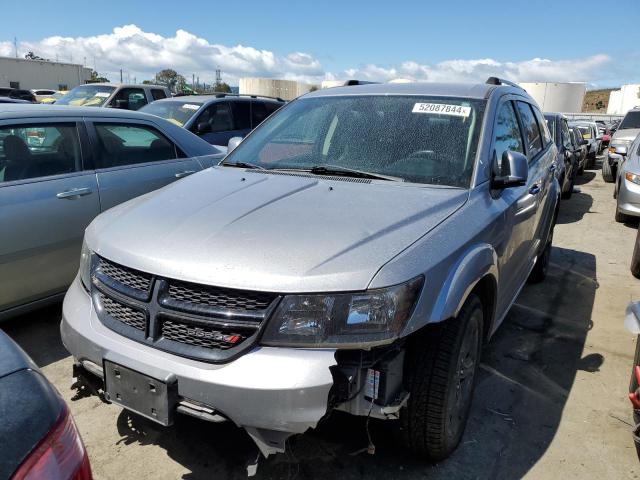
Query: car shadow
x=526, y=375
x=581, y=204
x=38, y=333
x=585, y=178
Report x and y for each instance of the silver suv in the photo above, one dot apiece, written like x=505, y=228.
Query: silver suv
x=620, y=142
x=354, y=252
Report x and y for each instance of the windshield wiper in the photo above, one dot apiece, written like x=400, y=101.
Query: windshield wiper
x=248, y=165
x=350, y=172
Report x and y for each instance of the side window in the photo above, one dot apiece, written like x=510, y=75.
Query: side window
x=531, y=130
x=544, y=127
x=566, y=139
x=217, y=116
x=128, y=144
x=507, y=135
x=272, y=106
x=38, y=150
x=158, y=94
x=129, y=98
x=241, y=115
x=258, y=113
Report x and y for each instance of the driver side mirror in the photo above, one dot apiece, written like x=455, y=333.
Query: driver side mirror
x=584, y=142
x=203, y=127
x=233, y=143
x=512, y=170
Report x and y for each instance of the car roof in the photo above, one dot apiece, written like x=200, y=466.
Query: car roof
x=117, y=85
x=554, y=114
x=216, y=97
x=467, y=90
x=12, y=110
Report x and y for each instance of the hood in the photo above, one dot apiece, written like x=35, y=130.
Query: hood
x=626, y=134
x=270, y=232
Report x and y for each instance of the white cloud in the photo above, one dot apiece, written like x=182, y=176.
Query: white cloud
x=538, y=69
x=141, y=54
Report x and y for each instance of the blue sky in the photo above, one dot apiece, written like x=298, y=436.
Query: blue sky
x=337, y=38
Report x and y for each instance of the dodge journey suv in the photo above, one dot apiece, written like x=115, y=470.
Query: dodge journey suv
x=352, y=253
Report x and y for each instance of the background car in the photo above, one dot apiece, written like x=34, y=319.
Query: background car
x=590, y=133
x=620, y=141
x=42, y=93
x=580, y=148
x=627, y=187
x=216, y=118
x=38, y=436
x=17, y=94
x=113, y=95
x=54, y=98
x=567, y=160
x=62, y=166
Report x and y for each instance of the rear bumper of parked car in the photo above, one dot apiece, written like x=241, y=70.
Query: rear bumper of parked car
x=629, y=198
x=271, y=392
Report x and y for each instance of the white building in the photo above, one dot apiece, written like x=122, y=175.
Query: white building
x=564, y=97
x=271, y=87
x=29, y=74
x=623, y=100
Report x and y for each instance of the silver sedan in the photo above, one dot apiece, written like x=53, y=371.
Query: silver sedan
x=627, y=191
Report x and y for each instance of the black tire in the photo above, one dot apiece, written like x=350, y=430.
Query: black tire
x=440, y=374
x=566, y=195
x=539, y=272
x=621, y=217
x=635, y=258
x=607, y=172
x=581, y=169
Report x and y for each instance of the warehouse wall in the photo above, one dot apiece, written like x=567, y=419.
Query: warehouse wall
x=557, y=97
x=623, y=100
x=270, y=87
x=41, y=74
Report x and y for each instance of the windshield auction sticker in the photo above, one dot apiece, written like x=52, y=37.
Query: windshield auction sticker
x=442, y=109
x=102, y=94
x=190, y=106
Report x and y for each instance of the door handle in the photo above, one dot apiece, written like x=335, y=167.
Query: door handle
x=184, y=174
x=535, y=189
x=74, y=193
x=552, y=168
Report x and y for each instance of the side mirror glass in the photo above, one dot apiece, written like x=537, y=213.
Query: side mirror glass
x=203, y=127
x=512, y=170
x=233, y=143
x=632, y=318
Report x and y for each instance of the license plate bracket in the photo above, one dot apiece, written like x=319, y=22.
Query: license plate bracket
x=140, y=393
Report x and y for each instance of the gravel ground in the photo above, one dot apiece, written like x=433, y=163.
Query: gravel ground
x=550, y=402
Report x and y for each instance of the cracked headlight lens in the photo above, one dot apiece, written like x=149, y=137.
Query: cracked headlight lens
x=343, y=320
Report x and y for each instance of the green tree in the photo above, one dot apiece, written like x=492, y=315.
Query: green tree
x=97, y=78
x=171, y=79
x=222, y=87
x=33, y=56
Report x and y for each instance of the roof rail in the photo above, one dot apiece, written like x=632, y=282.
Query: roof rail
x=502, y=81
x=354, y=82
x=225, y=94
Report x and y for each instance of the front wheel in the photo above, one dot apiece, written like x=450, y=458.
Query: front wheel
x=607, y=171
x=440, y=374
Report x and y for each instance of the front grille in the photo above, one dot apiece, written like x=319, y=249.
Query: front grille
x=202, y=336
x=125, y=276
x=224, y=298
x=196, y=321
x=123, y=313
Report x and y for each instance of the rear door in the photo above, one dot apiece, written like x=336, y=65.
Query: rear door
x=46, y=202
x=133, y=157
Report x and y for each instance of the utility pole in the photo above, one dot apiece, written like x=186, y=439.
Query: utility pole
x=15, y=45
x=121, y=76
x=193, y=81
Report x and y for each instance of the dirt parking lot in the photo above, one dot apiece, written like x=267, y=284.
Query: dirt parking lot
x=551, y=400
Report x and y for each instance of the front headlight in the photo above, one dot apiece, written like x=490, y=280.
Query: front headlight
x=632, y=177
x=85, y=266
x=619, y=147
x=344, y=320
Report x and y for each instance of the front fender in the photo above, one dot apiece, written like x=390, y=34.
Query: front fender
x=477, y=262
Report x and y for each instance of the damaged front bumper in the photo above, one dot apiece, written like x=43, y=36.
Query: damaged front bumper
x=271, y=392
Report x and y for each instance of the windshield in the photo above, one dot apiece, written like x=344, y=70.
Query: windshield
x=176, y=112
x=431, y=140
x=585, y=131
x=630, y=120
x=87, y=96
